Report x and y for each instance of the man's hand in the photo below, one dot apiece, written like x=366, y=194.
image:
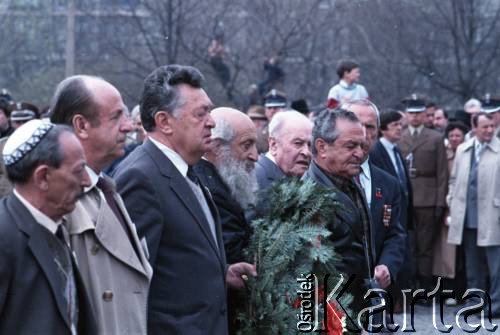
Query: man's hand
x=238, y=273
x=382, y=275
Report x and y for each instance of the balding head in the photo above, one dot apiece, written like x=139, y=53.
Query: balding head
x=233, y=151
x=290, y=142
x=95, y=110
x=229, y=122
x=75, y=95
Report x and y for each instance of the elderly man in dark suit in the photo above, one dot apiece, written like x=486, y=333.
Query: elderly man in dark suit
x=383, y=195
x=174, y=211
x=289, y=148
x=228, y=170
x=41, y=291
x=425, y=154
x=338, y=142
x=112, y=259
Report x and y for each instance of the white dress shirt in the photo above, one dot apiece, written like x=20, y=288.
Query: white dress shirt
x=41, y=218
x=365, y=179
x=389, y=147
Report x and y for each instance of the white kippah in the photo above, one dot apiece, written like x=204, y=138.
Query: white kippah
x=23, y=140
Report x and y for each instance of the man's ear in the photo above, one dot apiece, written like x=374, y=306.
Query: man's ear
x=41, y=177
x=273, y=145
x=320, y=146
x=165, y=122
x=81, y=126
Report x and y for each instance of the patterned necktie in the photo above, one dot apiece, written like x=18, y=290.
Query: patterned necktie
x=66, y=264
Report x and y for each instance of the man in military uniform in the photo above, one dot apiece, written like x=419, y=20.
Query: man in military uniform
x=19, y=113
x=425, y=153
x=491, y=105
x=274, y=102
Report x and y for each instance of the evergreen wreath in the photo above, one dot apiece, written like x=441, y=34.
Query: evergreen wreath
x=291, y=241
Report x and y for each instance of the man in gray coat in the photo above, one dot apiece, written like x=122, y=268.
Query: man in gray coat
x=113, y=261
x=474, y=199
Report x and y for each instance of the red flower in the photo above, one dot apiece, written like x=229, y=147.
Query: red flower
x=335, y=324
x=332, y=103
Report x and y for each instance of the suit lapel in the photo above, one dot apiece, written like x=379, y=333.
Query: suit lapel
x=275, y=172
x=116, y=241
x=135, y=237
x=183, y=191
x=215, y=213
x=376, y=205
x=421, y=139
x=386, y=158
x=41, y=252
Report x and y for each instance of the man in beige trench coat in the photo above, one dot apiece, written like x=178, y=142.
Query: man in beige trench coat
x=112, y=260
x=474, y=199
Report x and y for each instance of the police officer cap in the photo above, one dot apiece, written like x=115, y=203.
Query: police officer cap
x=490, y=103
x=415, y=103
x=23, y=112
x=275, y=98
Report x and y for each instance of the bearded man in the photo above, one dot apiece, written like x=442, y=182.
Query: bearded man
x=227, y=170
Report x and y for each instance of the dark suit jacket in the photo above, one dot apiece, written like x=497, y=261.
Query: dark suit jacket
x=267, y=172
x=188, y=290
x=389, y=240
x=236, y=230
x=31, y=290
x=380, y=158
x=430, y=185
x=347, y=230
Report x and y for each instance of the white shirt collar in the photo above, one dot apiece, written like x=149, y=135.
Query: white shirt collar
x=344, y=84
x=94, y=177
x=271, y=157
x=41, y=218
x=173, y=156
x=387, y=144
x=365, y=169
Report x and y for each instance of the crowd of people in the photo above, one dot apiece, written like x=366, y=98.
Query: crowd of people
x=131, y=223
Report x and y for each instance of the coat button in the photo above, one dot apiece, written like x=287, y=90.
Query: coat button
x=95, y=249
x=107, y=296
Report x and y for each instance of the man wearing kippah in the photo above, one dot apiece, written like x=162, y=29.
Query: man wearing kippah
x=41, y=291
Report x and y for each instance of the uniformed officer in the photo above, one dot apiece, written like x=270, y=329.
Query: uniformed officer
x=491, y=105
x=425, y=153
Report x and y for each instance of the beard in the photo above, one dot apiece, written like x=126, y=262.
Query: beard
x=239, y=176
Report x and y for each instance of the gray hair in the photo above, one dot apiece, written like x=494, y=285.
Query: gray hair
x=279, y=119
x=223, y=131
x=161, y=92
x=362, y=102
x=48, y=151
x=472, y=103
x=135, y=112
x=325, y=125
